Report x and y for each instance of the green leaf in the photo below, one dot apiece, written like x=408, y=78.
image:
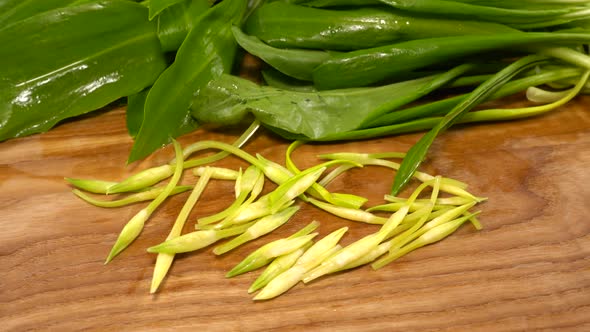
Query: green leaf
x=314, y=115
x=330, y=3
x=521, y=14
x=279, y=80
x=365, y=67
x=206, y=53
x=297, y=63
x=157, y=6
x=417, y=153
x=175, y=22
x=134, y=112
x=426, y=116
x=16, y=10
x=442, y=106
x=284, y=25
x=74, y=60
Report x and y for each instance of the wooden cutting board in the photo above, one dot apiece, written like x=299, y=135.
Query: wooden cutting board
x=528, y=269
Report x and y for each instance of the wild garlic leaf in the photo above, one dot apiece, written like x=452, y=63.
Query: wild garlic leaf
x=73, y=60
x=228, y=99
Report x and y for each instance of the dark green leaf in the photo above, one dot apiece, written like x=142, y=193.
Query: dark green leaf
x=313, y=114
x=521, y=14
x=157, y=6
x=279, y=80
x=334, y=3
x=15, y=10
x=134, y=112
x=297, y=63
x=437, y=82
x=206, y=53
x=364, y=67
x=74, y=60
x=285, y=25
x=176, y=21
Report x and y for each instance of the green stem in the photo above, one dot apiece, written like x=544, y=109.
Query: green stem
x=394, y=122
x=517, y=113
x=133, y=198
x=164, y=261
x=568, y=55
x=134, y=227
x=246, y=135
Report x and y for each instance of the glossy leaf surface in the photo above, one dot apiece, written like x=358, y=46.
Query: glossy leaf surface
x=157, y=6
x=134, y=111
x=312, y=114
x=297, y=63
x=15, y=10
x=74, y=60
x=537, y=14
x=334, y=3
x=364, y=67
x=291, y=26
x=207, y=52
x=176, y=21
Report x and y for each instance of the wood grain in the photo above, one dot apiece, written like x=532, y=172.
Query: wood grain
x=529, y=269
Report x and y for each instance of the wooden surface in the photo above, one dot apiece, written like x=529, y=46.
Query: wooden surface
x=529, y=269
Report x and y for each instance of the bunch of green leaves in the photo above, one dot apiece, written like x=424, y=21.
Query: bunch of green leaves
x=520, y=14
x=66, y=58
x=328, y=48
x=356, y=65
x=207, y=52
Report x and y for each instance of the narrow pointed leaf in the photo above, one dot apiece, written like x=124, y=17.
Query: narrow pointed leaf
x=157, y=6
x=134, y=111
x=395, y=61
x=296, y=63
x=417, y=153
x=206, y=53
x=175, y=22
